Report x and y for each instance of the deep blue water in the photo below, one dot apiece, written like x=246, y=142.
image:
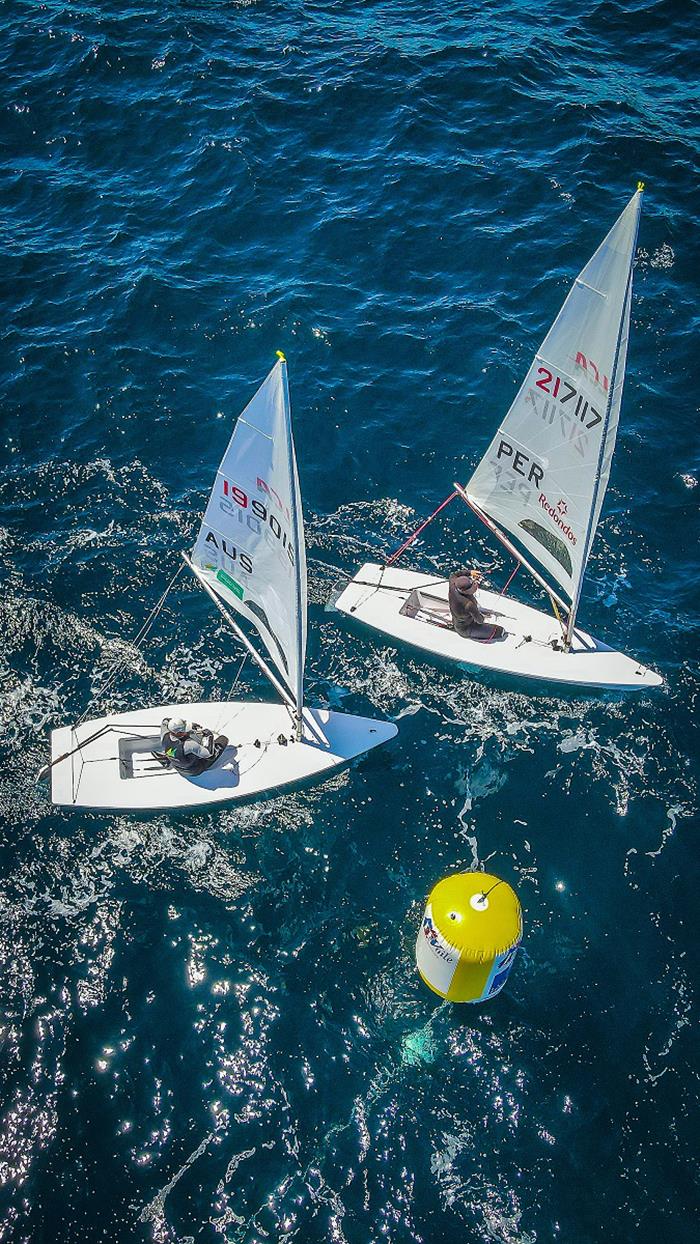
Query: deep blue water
x=211, y=1025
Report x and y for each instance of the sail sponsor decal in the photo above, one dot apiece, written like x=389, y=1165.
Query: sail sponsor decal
x=558, y=513
x=552, y=541
x=230, y=583
x=553, y=544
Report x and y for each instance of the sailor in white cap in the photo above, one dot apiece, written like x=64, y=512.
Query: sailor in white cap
x=187, y=747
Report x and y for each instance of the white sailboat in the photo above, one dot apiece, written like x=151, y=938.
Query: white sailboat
x=540, y=483
x=249, y=557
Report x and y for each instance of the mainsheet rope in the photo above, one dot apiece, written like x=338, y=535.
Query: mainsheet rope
x=502, y=592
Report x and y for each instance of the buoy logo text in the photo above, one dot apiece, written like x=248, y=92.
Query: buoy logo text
x=433, y=938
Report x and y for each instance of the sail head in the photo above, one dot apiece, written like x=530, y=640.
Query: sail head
x=250, y=548
x=544, y=475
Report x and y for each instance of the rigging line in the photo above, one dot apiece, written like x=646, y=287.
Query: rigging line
x=138, y=639
x=110, y=728
x=557, y=615
x=232, y=688
x=510, y=578
x=394, y=557
x=235, y=682
x=502, y=592
x=387, y=587
x=485, y=893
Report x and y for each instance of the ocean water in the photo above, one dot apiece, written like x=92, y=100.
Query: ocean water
x=211, y=1025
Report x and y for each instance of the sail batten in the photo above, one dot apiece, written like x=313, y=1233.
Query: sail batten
x=592, y=288
x=544, y=476
x=250, y=547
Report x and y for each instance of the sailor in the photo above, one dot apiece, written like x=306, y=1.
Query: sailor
x=467, y=618
x=187, y=747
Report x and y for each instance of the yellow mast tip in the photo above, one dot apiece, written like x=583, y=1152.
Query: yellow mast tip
x=640, y=185
x=281, y=356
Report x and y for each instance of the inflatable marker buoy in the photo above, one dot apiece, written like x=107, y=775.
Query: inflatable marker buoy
x=469, y=937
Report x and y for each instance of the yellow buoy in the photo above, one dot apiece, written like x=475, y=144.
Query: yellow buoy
x=469, y=937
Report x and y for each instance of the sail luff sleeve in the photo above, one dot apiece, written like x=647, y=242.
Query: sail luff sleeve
x=297, y=520
x=612, y=414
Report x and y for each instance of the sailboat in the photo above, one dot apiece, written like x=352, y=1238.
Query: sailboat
x=539, y=490
x=249, y=557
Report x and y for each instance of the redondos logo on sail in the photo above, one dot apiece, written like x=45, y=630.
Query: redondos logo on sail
x=556, y=513
x=554, y=545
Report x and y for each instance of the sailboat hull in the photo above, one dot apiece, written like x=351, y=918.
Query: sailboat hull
x=412, y=608
x=113, y=766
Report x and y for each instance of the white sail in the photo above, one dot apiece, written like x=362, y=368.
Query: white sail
x=250, y=547
x=545, y=473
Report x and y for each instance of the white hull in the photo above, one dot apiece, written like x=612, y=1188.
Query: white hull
x=117, y=770
x=526, y=650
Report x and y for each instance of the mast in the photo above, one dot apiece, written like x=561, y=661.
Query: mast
x=298, y=538
x=590, y=530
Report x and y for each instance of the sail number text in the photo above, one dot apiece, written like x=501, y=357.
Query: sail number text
x=520, y=463
x=565, y=392
x=260, y=518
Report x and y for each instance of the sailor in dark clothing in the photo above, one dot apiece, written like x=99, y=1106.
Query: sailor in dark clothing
x=467, y=618
x=189, y=748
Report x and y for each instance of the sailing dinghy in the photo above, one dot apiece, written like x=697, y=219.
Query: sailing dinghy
x=541, y=483
x=250, y=558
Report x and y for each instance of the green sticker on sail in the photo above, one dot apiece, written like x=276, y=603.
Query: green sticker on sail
x=230, y=583
x=554, y=546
